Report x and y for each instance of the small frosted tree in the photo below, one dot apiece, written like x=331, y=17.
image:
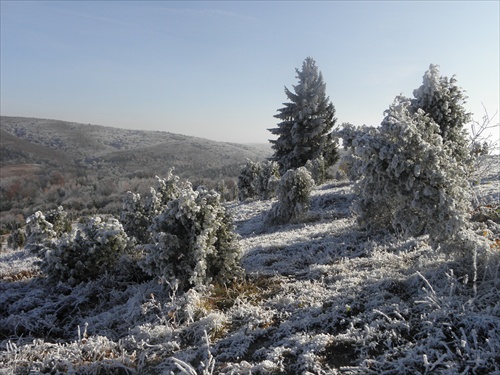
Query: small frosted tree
x=60, y=221
x=135, y=217
x=258, y=180
x=193, y=242
x=294, y=191
x=350, y=135
x=480, y=142
x=304, y=132
x=167, y=189
x=17, y=238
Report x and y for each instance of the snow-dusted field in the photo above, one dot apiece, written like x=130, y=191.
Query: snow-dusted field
x=321, y=297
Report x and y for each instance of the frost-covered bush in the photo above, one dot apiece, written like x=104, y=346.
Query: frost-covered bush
x=193, y=241
x=59, y=219
x=408, y=178
x=481, y=143
x=317, y=167
x=294, y=193
x=222, y=189
x=137, y=213
x=135, y=217
x=247, y=181
x=267, y=179
x=258, y=180
x=39, y=233
x=89, y=251
x=348, y=133
x=167, y=189
x=17, y=238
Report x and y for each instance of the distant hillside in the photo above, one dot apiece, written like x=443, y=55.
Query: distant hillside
x=61, y=143
x=89, y=168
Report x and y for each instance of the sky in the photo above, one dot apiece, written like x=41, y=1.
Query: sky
x=218, y=70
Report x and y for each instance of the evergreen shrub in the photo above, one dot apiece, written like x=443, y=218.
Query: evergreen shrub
x=88, y=252
x=258, y=180
x=247, y=181
x=407, y=178
x=193, y=242
x=293, y=193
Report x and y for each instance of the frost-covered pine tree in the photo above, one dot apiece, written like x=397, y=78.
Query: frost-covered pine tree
x=294, y=191
x=304, y=132
x=444, y=102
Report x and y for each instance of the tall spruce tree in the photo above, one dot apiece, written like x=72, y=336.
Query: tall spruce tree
x=304, y=132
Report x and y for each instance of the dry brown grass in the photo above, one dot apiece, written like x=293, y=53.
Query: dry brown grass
x=20, y=275
x=19, y=170
x=253, y=290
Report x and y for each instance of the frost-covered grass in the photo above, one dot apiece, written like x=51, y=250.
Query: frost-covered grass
x=320, y=296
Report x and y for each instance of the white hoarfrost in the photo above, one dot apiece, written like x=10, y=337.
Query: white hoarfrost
x=321, y=296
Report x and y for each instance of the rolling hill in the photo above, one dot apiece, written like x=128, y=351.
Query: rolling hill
x=65, y=144
x=47, y=163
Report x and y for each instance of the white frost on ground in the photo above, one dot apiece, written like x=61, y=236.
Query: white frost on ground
x=322, y=297
x=17, y=264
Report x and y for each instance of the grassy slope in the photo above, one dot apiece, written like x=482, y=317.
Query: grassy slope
x=322, y=297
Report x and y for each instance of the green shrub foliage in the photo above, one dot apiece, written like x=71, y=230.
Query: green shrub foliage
x=294, y=191
x=193, y=242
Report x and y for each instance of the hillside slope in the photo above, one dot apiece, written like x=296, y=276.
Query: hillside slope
x=46, y=163
x=60, y=142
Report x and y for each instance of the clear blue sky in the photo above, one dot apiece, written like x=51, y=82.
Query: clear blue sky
x=217, y=69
